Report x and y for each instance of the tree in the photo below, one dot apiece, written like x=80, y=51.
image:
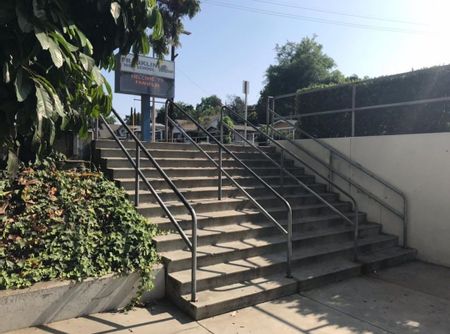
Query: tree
x=237, y=104
x=172, y=11
x=51, y=55
x=299, y=65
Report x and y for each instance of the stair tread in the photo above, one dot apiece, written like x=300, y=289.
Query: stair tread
x=263, y=283
x=232, y=228
x=199, y=189
x=383, y=254
x=196, y=178
x=239, y=245
x=236, y=266
x=235, y=199
x=241, y=289
x=246, y=211
x=201, y=168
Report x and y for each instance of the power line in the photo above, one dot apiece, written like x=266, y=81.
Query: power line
x=193, y=81
x=312, y=19
x=324, y=11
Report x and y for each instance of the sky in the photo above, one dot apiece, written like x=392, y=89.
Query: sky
x=234, y=40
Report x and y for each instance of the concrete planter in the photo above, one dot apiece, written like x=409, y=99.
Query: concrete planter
x=53, y=301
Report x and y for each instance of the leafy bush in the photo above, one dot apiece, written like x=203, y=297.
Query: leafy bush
x=69, y=225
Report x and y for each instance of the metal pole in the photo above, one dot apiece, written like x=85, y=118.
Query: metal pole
x=246, y=89
x=194, y=261
x=289, y=244
x=136, y=176
x=219, y=195
x=166, y=121
x=330, y=172
x=353, y=109
x=282, y=170
x=153, y=120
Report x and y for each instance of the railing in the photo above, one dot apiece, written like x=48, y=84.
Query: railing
x=191, y=244
x=222, y=171
x=332, y=171
x=283, y=171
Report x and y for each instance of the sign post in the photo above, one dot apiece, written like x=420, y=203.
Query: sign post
x=150, y=77
x=246, y=90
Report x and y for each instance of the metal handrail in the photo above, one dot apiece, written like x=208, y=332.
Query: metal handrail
x=401, y=215
x=355, y=223
x=192, y=244
x=221, y=146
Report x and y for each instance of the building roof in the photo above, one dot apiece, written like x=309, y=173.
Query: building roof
x=186, y=124
x=241, y=127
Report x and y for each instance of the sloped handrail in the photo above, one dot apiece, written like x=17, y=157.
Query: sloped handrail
x=191, y=244
x=402, y=215
x=221, y=146
x=355, y=223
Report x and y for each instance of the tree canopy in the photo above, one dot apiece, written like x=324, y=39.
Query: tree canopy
x=51, y=55
x=298, y=65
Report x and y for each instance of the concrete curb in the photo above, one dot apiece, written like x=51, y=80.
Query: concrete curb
x=59, y=300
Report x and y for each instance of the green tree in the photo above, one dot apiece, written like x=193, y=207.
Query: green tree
x=237, y=104
x=51, y=55
x=172, y=12
x=298, y=65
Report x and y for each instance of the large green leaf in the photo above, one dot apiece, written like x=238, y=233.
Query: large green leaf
x=115, y=10
x=56, y=54
x=22, y=85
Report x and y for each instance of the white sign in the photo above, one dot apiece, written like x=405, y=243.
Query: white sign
x=246, y=87
x=148, y=66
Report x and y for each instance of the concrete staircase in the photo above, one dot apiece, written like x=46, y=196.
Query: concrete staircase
x=241, y=255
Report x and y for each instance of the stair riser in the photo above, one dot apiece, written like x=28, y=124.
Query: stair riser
x=252, y=273
x=219, y=308
x=179, y=147
x=235, y=205
x=268, y=230
x=196, y=172
x=115, y=153
x=387, y=263
x=211, y=182
x=123, y=163
x=272, y=248
x=196, y=194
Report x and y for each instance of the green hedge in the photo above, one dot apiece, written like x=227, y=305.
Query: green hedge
x=72, y=225
x=422, y=84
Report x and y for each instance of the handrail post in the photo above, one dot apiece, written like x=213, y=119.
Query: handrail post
x=289, y=244
x=330, y=172
x=219, y=195
x=194, y=261
x=166, y=121
x=136, y=176
x=282, y=170
x=353, y=109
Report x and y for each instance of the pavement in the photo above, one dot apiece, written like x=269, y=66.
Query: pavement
x=412, y=298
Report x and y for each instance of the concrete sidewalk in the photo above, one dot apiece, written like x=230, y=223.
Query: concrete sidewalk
x=413, y=298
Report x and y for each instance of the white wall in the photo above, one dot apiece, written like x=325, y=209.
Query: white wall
x=419, y=165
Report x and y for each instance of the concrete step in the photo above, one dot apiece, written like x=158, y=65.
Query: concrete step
x=124, y=173
x=385, y=258
x=220, y=218
x=236, y=203
x=224, y=233
x=277, y=210
x=303, y=243
x=168, y=195
x=185, y=154
x=193, y=182
x=182, y=162
x=220, y=274
x=177, y=146
x=266, y=287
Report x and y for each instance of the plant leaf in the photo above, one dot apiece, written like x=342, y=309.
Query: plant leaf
x=22, y=85
x=22, y=19
x=13, y=163
x=6, y=74
x=115, y=10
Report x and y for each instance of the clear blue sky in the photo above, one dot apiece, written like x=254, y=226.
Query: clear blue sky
x=229, y=44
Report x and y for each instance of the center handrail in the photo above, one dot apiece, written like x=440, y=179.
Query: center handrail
x=401, y=215
x=221, y=146
x=355, y=223
x=192, y=245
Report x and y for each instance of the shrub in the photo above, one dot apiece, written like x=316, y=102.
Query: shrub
x=59, y=224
